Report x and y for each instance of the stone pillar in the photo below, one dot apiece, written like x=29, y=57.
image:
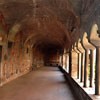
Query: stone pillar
x=92, y=57
x=62, y=60
x=97, y=74
x=82, y=52
x=0, y=65
x=79, y=63
x=95, y=40
x=86, y=68
x=67, y=62
x=82, y=68
x=78, y=60
x=70, y=63
x=78, y=66
x=87, y=46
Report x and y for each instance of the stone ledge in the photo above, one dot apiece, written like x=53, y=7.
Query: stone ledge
x=78, y=92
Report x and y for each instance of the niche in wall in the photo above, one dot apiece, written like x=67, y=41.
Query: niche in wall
x=9, y=45
x=0, y=53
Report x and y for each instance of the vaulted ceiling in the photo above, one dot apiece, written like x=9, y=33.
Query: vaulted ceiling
x=49, y=24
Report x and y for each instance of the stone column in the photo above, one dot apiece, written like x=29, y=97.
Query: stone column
x=87, y=46
x=86, y=68
x=82, y=68
x=97, y=74
x=82, y=52
x=95, y=40
x=70, y=62
x=62, y=60
x=78, y=69
x=78, y=60
x=0, y=65
x=67, y=62
x=92, y=60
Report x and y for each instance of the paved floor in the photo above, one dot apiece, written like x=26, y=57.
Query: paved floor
x=46, y=83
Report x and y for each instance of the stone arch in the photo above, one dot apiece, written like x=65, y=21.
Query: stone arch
x=12, y=33
x=3, y=29
x=93, y=33
x=85, y=38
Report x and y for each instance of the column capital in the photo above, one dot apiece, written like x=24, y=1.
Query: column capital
x=80, y=47
x=94, y=36
x=86, y=44
x=75, y=48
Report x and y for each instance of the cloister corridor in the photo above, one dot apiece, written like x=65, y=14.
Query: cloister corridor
x=46, y=83
x=49, y=49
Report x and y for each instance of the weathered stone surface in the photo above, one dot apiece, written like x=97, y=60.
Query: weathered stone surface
x=33, y=32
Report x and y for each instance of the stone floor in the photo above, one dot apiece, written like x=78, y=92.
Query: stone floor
x=46, y=83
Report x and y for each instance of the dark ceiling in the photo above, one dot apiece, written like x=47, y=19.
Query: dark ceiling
x=49, y=24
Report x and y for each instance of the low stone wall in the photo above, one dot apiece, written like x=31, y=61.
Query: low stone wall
x=78, y=92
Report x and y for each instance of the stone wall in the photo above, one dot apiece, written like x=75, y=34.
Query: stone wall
x=16, y=60
x=37, y=58
x=16, y=57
